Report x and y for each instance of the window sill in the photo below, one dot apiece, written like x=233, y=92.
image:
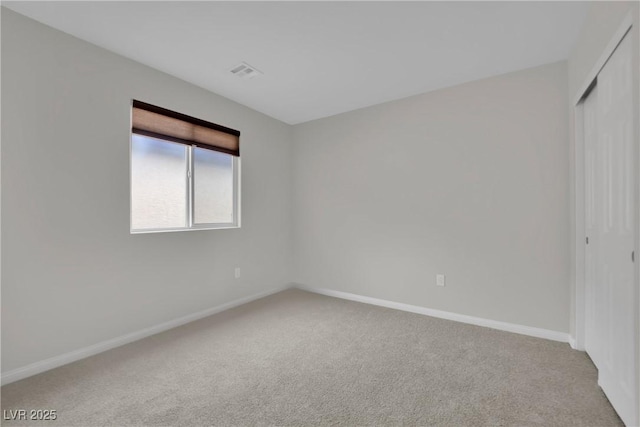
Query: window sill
x=173, y=230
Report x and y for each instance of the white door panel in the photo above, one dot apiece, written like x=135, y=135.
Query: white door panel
x=610, y=294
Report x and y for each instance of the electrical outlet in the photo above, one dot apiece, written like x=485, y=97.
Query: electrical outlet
x=439, y=279
x=237, y=272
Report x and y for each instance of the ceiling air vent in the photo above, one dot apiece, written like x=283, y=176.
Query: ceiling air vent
x=245, y=71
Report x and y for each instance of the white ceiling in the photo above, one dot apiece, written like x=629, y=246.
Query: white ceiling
x=323, y=58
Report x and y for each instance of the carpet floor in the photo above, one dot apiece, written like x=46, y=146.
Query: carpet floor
x=297, y=358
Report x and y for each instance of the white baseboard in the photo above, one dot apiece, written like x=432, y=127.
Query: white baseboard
x=494, y=324
x=54, y=362
x=572, y=342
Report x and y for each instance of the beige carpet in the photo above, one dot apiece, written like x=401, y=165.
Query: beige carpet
x=297, y=358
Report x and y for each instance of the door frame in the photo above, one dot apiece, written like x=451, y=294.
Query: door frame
x=577, y=339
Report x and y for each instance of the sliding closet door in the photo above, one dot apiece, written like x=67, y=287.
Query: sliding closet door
x=593, y=297
x=611, y=294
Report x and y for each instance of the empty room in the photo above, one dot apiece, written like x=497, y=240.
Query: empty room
x=292, y=213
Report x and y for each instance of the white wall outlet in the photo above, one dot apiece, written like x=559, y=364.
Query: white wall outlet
x=439, y=279
x=237, y=272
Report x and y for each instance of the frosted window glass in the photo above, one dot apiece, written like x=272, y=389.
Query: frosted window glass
x=158, y=184
x=212, y=187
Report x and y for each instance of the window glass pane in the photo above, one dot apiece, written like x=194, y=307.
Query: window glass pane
x=213, y=187
x=158, y=183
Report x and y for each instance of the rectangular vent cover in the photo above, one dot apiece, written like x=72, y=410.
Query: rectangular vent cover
x=245, y=71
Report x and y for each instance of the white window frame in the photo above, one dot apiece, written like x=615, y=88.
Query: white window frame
x=190, y=199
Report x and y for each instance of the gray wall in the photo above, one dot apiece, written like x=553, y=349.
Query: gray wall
x=470, y=181
x=72, y=275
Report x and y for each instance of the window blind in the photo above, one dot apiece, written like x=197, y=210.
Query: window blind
x=157, y=122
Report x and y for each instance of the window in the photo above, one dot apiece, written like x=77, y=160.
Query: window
x=184, y=172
